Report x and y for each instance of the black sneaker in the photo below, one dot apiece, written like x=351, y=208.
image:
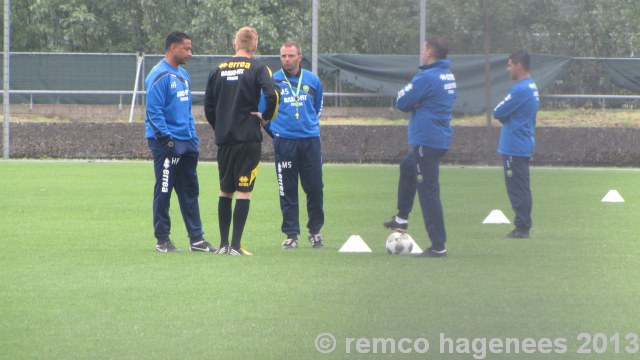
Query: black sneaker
x=431, y=252
x=223, y=250
x=316, y=240
x=517, y=234
x=202, y=245
x=167, y=247
x=234, y=252
x=393, y=224
x=290, y=244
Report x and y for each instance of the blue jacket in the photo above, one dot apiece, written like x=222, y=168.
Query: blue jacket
x=309, y=108
x=429, y=97
x=169, y=103
x=517, y=113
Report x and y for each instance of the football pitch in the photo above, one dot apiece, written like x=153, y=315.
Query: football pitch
x=80, y=277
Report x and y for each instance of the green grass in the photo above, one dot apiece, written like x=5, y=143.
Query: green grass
x=79, y=277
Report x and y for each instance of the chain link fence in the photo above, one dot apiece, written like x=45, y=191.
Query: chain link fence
x=100, y=87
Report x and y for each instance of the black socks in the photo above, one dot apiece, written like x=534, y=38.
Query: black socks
x=224, y=219
x=239, y=217
x=240, y=214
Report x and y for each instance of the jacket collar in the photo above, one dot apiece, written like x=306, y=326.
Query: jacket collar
x=442, y=63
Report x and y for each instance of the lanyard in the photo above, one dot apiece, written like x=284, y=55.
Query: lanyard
x=296, y=93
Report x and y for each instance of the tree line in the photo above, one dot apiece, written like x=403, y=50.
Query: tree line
x=601, y=28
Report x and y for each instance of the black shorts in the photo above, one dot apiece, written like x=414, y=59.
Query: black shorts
x=238, y=166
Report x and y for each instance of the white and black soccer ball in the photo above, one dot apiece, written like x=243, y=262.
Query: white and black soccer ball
x=399, y=243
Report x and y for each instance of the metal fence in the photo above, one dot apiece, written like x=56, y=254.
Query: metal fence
x=584, y=84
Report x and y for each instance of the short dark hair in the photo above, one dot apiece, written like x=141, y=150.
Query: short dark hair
x=176, y=37
x=439, y=45
x=290, y=43
x=520, y=57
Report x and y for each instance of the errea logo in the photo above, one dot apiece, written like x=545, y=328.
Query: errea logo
x=405, y=90
x=166, y=172
x=243, y=181
x=165, y=175
x=447, y=77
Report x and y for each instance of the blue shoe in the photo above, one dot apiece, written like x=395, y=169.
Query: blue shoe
x=202, y=246
x=167, y=247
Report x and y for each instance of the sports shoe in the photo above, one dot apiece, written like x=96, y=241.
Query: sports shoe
x=290, y=244
x=223, y=250
x=167, y=247
x=516, y=234
x=395, y=225
x=431, y=252
x=202, y=245
x=316, y=240
x=234, y=252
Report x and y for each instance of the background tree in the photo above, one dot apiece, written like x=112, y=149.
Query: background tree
x=603, y=28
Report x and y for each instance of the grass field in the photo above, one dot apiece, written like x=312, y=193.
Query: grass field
x=80, y=279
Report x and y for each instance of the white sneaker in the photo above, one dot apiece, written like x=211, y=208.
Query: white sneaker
x=316, y=240
x=290, y=244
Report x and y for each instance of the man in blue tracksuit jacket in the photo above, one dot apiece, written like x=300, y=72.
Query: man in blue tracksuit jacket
x=429, y=97
x=517, y=113
x=171, y=135
x=296, y=143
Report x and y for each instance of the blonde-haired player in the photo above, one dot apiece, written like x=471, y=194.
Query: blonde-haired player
x=231, y=103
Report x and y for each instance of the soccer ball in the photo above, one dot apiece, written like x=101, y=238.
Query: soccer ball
x=399, y=244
